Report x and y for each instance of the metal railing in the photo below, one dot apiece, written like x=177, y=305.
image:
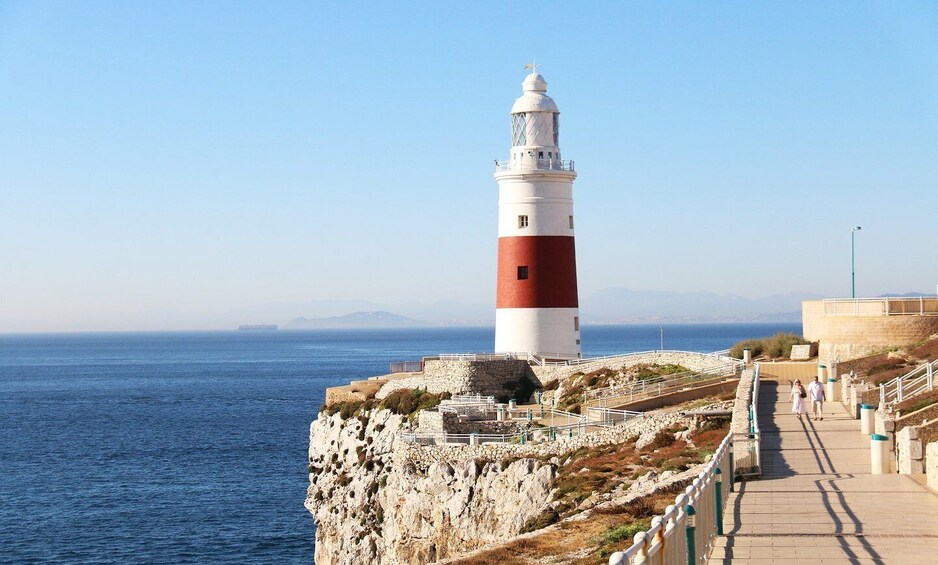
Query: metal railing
x=470, y=399
x=534, y=165
x=610, y=416
x=918, y=380
x=406, y=366
x=658, y=386
x=536, y=435
x=907, y=306
x=686, y=530
x=747, y=447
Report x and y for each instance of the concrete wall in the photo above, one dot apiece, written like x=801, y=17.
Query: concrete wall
x=851, y=336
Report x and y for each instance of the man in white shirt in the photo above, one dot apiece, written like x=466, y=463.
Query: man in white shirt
x=818, y=396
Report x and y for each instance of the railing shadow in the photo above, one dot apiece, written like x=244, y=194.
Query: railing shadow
x=774, y=465
x=847, y=525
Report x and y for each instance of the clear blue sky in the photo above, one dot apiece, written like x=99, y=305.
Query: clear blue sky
x=163, y=163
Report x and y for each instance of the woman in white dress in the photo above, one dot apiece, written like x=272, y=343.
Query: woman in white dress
x=797, y=399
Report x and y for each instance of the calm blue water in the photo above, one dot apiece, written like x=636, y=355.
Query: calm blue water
x=191, y=447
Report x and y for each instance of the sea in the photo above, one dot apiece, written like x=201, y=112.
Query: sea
x=191, y=447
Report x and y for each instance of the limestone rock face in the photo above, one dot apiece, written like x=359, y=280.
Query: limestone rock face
x=373, y=505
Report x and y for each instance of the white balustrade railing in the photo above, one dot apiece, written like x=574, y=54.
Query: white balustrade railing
x=687, y=529
x=470, y=399
x=885, y=306
x=918, y=380
x=610, y=416
x=535, y=435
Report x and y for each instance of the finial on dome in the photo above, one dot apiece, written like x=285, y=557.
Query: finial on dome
x=533, y=66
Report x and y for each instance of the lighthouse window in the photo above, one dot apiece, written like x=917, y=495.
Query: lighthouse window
x=522, y=273
x=571, y=222
x=519, y=124
x=576, y=323
x=522, y=221
x=556, y=129
x=540, y=154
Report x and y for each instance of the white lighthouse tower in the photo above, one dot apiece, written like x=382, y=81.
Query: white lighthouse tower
x=536, y=306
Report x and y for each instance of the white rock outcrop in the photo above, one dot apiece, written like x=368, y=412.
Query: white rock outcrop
x=372, y=505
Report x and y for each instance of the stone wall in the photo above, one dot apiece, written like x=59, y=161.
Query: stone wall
x=691, y=360
x=642, y=428
x=493, y=377
x=909, y=451
x=931, y=465
x=849, y=337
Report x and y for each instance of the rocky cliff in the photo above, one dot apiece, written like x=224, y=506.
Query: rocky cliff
x=373, y=504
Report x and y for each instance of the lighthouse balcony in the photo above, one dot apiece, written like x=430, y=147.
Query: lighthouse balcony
x=533, y=165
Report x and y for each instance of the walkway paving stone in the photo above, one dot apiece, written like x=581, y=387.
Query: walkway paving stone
x=817, y=501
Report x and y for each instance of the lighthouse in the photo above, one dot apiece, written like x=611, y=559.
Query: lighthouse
x=536, y=303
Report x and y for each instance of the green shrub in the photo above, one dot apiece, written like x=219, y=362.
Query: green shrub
x=408, y=402
x=779, y=345
x=626, y=532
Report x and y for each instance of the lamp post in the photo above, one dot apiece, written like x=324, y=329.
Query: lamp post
x=853, y=270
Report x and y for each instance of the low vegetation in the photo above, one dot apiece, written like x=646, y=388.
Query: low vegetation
x=916, y=403
x=406, y=402
x=776, y=347
x=890, y=363
x=598, y=470
x=578, y=383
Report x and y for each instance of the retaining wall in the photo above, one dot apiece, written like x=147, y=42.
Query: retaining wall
x=849, y=337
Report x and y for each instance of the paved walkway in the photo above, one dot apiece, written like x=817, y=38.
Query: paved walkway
x=817, y=501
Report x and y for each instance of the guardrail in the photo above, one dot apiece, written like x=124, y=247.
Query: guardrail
x=610, y=416
x=533, y=164
x=657, y=386
x=405, y=366
x=536, y=435
x=472, y=399
x=906, y=306
x=747, y=447
x=918, y=380
x=686, y=530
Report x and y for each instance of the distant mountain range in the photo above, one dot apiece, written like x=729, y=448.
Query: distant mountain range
x=607, y=306
x=355, y=320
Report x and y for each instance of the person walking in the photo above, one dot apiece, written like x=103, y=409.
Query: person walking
x=798, y=395
x=818, y=396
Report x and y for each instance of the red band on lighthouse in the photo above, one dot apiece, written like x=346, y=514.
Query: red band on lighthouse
x=551, y=272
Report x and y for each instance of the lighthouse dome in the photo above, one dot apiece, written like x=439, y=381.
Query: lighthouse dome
x=534, y=97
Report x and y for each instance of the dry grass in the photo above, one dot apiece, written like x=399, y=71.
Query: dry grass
x=609, y=528
x=886, y=365
x=582, y=542
x=918, y=402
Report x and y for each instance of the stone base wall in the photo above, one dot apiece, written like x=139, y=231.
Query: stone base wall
x=464, y=377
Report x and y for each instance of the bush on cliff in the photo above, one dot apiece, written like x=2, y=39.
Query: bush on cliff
x=408, y=402
x=779, y=345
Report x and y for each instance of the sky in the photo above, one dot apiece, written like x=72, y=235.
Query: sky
x=164, y=165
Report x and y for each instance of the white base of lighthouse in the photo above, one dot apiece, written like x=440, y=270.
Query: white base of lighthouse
x=547, y=332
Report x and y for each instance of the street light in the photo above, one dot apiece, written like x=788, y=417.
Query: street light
x=853, y=270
